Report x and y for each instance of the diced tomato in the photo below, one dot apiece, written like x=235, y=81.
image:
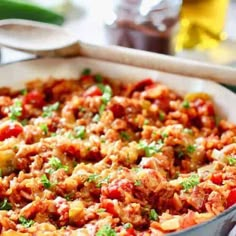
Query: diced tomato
x=231, y=199
x=92, y=91
x=141, y=85
x=109, y=206
x=35, y=98
x=114, y=192
x=10, y=130
x=130, y=232
x=217, y=178
x=117, y=110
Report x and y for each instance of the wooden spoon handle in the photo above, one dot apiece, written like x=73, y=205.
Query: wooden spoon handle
x=155, y=61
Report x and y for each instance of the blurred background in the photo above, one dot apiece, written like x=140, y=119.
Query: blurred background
x=197, y=29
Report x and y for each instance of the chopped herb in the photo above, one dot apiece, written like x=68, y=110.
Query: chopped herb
x=162, y=116
x=101, y=210
x=191, y=149
x=180, y=154
x=56, y=164
x=0, y=172
x=69, y=135
x=188, y=131
x=53, y=134
x=86, y=71
x=44, y=128
x=136, y=169
x=47, y=110
x=24, y=122
x=5, y=205
x=69, y=196
x=190, y=182
x=23, y=91
x=15, y=111
x=92, y=178
x=45, y=181
x=164, y=135
x=153, y=215
x=103, y=181
x=82, y=109
x=150, y=149
x=185, y=104
x=127, y=225
x=137, y=182
x=25, y=222
x=107, y=94
x=80, y=132
x=106, y=230
x=98, y=78
x=125, y=135
x=232, y=161
x=102, y=109
x=96, y=118
x=146, y=122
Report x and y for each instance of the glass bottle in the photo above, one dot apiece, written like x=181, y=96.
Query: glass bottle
x=144, y=24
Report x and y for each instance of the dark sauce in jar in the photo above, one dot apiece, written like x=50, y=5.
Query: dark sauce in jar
x=150, y=34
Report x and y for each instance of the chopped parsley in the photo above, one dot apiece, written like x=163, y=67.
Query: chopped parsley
x=232, y=161
x=98, y=78
x=125, y=135
x=150, y=149
x=15, y=111
x=185, y=104
x=25, y=222
x=127, y=225
x=80, y=132
x=69, y=196
x=86, y=71
x=164, y=135
x=23, y=91
x=137, y=182
x=162, y=116
x=146, y=122
x=56, y=164
x=153, y=215
x=106, y=96
x=5, y=205
x=92, y=178
x=101, y=210
x=45, y=181
x=96, y=118
x=106, y=230
x=44, y=128
x=47, y=110
x=190, y=182
x=191, y=149
x=188, y=131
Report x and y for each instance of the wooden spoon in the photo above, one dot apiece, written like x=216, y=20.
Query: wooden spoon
x=48, y=40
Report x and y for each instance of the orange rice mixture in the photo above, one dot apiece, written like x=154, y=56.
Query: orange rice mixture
x=90, y=157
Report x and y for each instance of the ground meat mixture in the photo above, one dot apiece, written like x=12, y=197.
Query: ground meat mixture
x=93, y=157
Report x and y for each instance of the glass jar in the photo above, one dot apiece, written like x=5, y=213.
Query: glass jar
x=144, y=24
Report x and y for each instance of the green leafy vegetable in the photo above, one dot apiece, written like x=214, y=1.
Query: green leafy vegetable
x=106, y=230
x=232, y=161
x=127, y=225
x=150, y=149
x=56, y=164
x=15, y=111
x=101, y=210
x=125, y=135
x=137, y=182
x=92, y=178
x=190, y=182
x=107, y=94
x=162, y=116
x=44, y=128
x=80, y=132
x=25, y=222
x=5, y=205
x=23, y=91
x=86, y=71
x=48, y=110
x=185, y=104
x=45, y=181
x=191, y=149
x=153, y=215
x=98, y=78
